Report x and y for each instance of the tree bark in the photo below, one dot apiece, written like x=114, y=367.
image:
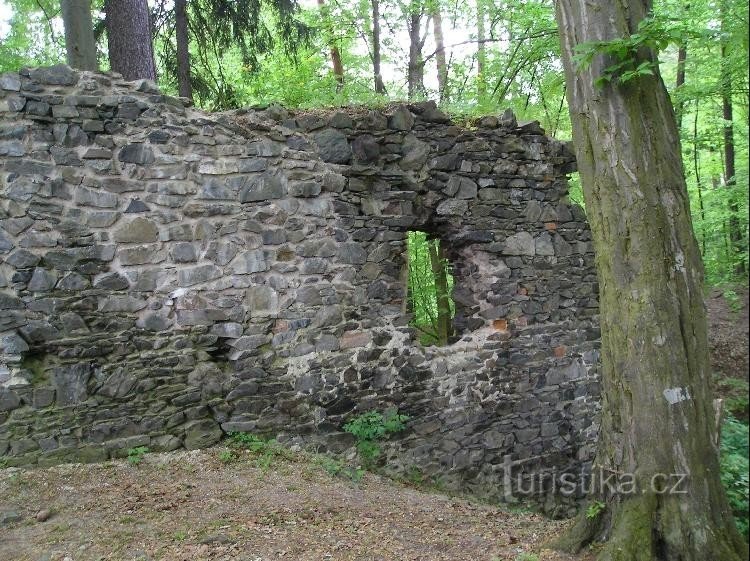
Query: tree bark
x=415, y=71
x=338, y=66
x=481, y=52
x=79, y=34
x=657, y=409
x=183, y=49
x=378, y=78
x=443, y=327
x=679, y=82
x=735, y=229
x=442, y=66
x=131, y=51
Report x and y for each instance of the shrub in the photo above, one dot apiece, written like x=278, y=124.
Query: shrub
x=135, y=455
x=370, y=428
x=734, y=470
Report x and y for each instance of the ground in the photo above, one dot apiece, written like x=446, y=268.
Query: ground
x=729, y=345
x=217, y=505
x=194, y=506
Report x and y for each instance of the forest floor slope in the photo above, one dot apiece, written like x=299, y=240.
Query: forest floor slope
x=192, y=506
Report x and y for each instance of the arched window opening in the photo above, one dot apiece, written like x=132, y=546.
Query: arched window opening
x=430, y=289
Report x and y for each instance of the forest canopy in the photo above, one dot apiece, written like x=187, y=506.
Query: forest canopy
x=476, y=57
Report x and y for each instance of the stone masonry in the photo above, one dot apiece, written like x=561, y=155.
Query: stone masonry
x=168, y=276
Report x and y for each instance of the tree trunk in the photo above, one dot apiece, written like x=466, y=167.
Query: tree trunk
x=437, y=262
x=79, y=34
x=131, y=52
x=679, y=82
x=481, y=52
x=442, y=66
x=183, y=49
x=338, y=67
x=657, y=409
x=379, y=85
x=735, y=229
x=415, y=75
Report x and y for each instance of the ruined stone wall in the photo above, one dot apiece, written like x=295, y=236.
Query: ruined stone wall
x=167, y=276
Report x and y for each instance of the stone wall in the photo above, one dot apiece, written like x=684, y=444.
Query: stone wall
x=167, y=276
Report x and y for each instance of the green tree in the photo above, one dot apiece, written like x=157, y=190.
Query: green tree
x=658, y=416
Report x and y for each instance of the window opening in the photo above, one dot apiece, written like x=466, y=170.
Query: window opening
x=430, y=289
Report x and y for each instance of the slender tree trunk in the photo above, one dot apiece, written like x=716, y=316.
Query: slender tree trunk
x=679, y=82
x=338, y=67
x=131, y=51
x=657, y=420
x=481, y=52
x=79, y=34
x=379, y=85
x=437, y=263
x=416, y=64
x=735, y=229
x=442, y=66
x=183, y=49
x=698, y=180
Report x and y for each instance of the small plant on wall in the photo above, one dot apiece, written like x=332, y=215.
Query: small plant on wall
x=372, y=427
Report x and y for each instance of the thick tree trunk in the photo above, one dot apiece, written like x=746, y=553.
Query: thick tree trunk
x=131, y=52
x=657, y=415
x=481, y=51
x=415, y=71
x=443, y=328
x=735, y=229
x=79, y=34
x=442, y=66
x=183, y=49
x=338, y=66
x=379, y=85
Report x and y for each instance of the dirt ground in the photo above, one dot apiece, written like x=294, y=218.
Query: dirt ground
x=728, y=332
x=192, y=506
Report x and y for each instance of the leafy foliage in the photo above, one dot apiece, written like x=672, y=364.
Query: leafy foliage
x=734, y=471
x=423, y=286
x=135, y=455
x=370, y=428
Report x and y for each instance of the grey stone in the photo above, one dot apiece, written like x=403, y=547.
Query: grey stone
x=521, y=243
x=118, y=385
x=136, y=153
x=452, y=207
x=121, y=304
x=13, y=344
x=42, y=280
x=136, y=206
x=112, y=281
x=543, y=245
x=262, y=301
x=318, y=248
x=184, y=252
x=352, y=253
x=71, y=383
x=250, y=262
x=200, y=434
x=332, y=146
x=401, y=119
x=90, y=197
x=22, y=259
x=263, y=188
x=72, y=282
x=9, y=400
x=138, y=230
x=57, y=75
x=197, y=275
x=10, y=81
